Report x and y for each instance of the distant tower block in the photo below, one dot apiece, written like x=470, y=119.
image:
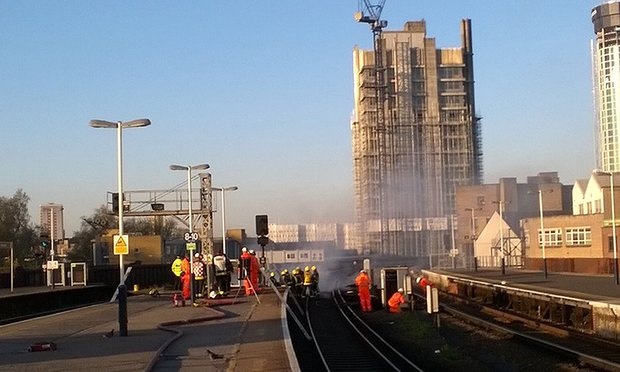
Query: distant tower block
x=46, y=211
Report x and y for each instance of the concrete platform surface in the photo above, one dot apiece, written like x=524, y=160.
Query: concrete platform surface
x=224, y=336
x=599, y=288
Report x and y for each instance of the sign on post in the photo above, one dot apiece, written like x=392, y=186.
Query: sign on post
x=190, y=237
x=121, y=244
x=190, y=246
x=432, y=300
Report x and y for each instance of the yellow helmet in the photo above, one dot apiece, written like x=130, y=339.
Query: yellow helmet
x=313, y=268
x=285, y=271
x=272, y=274
x=307, y=268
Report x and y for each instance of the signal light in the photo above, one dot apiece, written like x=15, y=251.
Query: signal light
x=44, y=241
x=115, y=202
x=262, y=225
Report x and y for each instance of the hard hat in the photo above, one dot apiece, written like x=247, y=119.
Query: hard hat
x=362, y=271
x=307, y=268
x=297, y=268
x=272, y=274
x=285, y=271
x=197, y=255
x=244, y=249
x=252, y=251
x=313, y=268
x=401, y=290
x=417, y=280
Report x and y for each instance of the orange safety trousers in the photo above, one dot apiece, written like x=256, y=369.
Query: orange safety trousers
x=365, y=303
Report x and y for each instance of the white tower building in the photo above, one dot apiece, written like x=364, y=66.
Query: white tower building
x=606, y=84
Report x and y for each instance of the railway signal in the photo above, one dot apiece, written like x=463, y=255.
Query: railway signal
x=262, y=225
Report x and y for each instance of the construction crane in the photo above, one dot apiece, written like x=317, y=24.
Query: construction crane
x=369, y=12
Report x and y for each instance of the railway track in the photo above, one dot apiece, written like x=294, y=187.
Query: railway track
x=581, y=348
x=345, y=343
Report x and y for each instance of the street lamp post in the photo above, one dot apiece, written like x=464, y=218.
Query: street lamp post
x=453, y=242
x=119, y=125
x=500, y=204
x=223, y=190
x=542, y=229
x=473, y=229
x=613, y=221
x=189, y=169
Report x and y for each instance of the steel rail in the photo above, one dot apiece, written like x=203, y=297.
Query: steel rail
x=549, y=345
x=383, y=342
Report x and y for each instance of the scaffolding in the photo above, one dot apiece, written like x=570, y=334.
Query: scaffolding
x=431, y=142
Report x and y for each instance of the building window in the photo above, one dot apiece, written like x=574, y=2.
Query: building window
x=290, y=256
x=552, y=237
x=576, y=236
x=597, y=206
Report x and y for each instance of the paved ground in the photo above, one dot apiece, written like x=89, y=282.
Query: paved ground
x=244, y=336
x=602, y=288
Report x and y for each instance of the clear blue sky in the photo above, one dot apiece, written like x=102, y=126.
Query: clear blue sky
x=262, y=91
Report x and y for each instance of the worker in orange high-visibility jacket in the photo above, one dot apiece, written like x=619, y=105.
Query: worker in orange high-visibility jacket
x=245, y=263
x=363, y=290
x=185, y=265
x=423, y=283
x=254, y=270
x=186, y=282
x=395, y=301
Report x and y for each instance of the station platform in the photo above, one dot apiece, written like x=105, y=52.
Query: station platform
x=594, y=288
x=229, y=334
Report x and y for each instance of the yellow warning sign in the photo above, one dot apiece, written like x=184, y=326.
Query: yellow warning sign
x=177, y=267
x=121, y=244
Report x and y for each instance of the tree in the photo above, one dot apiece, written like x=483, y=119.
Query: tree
x=15, y=225
x=96, y=225
x=91, y=228
x=167, y=228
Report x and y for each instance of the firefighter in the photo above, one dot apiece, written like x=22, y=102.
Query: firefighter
x=307, y=290
x=363, y=290
x=395, y=301
x=272, y=279
x=285, y=278
x=315, y=280
x=298, y=279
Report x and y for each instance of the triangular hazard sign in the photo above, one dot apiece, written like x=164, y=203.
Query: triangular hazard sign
x=121, y=243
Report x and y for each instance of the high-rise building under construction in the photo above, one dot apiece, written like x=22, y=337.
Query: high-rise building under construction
x=406, y=169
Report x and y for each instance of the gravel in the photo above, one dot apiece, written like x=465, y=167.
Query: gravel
x=459, y=346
